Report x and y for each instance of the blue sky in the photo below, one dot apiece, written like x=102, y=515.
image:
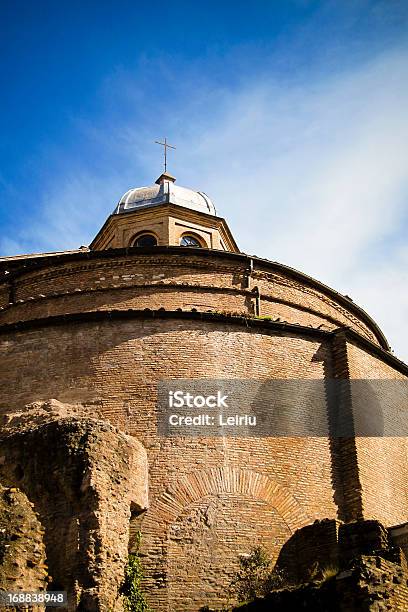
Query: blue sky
x=292, y=115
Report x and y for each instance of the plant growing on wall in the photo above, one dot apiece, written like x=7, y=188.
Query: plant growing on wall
x=256, y=576
x=133, y=596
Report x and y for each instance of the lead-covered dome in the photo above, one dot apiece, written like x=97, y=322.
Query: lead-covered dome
x=164, y=191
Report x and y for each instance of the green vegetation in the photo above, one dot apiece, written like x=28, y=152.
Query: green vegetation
x=134, y=598
x=256, y=576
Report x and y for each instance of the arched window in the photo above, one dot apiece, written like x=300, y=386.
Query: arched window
x=190, y=240
x=145, y=240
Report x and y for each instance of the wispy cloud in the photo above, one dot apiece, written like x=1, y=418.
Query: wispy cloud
x=312, y=172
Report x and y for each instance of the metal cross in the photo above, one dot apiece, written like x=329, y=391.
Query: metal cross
x=166, y=146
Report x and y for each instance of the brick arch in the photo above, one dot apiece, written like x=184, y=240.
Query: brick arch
x=190, y=488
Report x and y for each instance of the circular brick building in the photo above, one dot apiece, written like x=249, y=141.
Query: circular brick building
x=163, y=292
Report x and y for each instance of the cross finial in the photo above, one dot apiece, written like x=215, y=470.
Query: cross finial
x=166, y=146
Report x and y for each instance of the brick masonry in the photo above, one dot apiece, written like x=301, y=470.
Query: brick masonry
x=86, y=340
x=222, y=282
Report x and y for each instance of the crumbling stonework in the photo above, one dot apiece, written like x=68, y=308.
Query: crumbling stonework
x=369, y=574
x=22, y=550
x=83, y=478
x=399, y=536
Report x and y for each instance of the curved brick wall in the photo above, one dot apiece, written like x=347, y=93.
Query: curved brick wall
x=85, y=339
x=112, y=367
x=173, y=279
x=211, y=499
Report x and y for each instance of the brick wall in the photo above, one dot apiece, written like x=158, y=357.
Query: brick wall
x=209, y=486
x=211, y=499
x=173, y=281
x=382, y=461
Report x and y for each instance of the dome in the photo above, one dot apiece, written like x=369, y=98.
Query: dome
x=164, y=191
